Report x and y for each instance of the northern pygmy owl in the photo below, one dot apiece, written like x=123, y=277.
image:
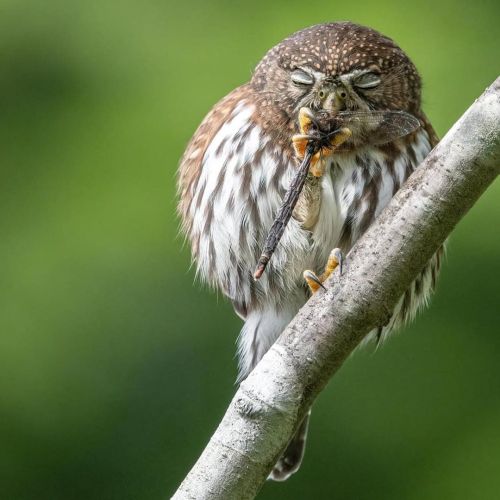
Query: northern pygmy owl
x=241, y=160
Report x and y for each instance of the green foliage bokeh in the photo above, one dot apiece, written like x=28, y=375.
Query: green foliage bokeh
x=114, y=367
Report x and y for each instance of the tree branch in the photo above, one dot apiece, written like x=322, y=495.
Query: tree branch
x=270, y=403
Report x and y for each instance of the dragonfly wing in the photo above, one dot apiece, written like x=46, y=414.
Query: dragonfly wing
x=394, y=125
x=379, y=127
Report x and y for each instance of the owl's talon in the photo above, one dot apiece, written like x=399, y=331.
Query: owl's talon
x=300, y=142
x=305, y=120
x=336, y=259
x=340, y=136
x=313, y=281
x=318, y=166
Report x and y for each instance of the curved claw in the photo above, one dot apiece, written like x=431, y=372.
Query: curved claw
x=335, y=259
x=312, y=281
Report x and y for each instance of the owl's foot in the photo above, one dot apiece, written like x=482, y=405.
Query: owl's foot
x=318, y=165
x=300, y=142
x=315, y=282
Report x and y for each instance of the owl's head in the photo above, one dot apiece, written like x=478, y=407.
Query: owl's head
x=337, y=66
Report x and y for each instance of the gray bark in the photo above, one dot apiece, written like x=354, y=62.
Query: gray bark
x=271, y=402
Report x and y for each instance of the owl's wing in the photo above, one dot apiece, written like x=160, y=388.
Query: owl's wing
x=220, y=177
x=231, y=181
x=192, y=160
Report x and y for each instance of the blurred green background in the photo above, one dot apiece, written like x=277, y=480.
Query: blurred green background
x=114, y=367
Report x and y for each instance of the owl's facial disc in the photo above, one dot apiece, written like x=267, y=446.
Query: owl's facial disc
x=334, y=92
x=349, y=90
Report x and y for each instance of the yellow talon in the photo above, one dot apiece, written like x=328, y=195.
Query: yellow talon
x=305, y=120
x=312, y=281
x=318, y=164
x=317, y=167
x=340, y=137
x=300, y=141
x=335, y=260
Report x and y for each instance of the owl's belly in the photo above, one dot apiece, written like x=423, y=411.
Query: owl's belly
x=354, y=190
x=328, y=210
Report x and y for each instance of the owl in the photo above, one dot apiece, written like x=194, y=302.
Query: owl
x=241, y=160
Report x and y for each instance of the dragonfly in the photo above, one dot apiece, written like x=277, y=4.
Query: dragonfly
x=323, y=132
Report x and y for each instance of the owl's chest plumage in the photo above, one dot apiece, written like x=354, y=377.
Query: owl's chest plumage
x=358, y=185
x=240, y=186
x=354, y=190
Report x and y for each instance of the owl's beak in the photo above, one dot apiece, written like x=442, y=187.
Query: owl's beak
x=332, y=98
x=334, y=101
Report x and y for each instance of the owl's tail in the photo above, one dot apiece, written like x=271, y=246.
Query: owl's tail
x=290, y=461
